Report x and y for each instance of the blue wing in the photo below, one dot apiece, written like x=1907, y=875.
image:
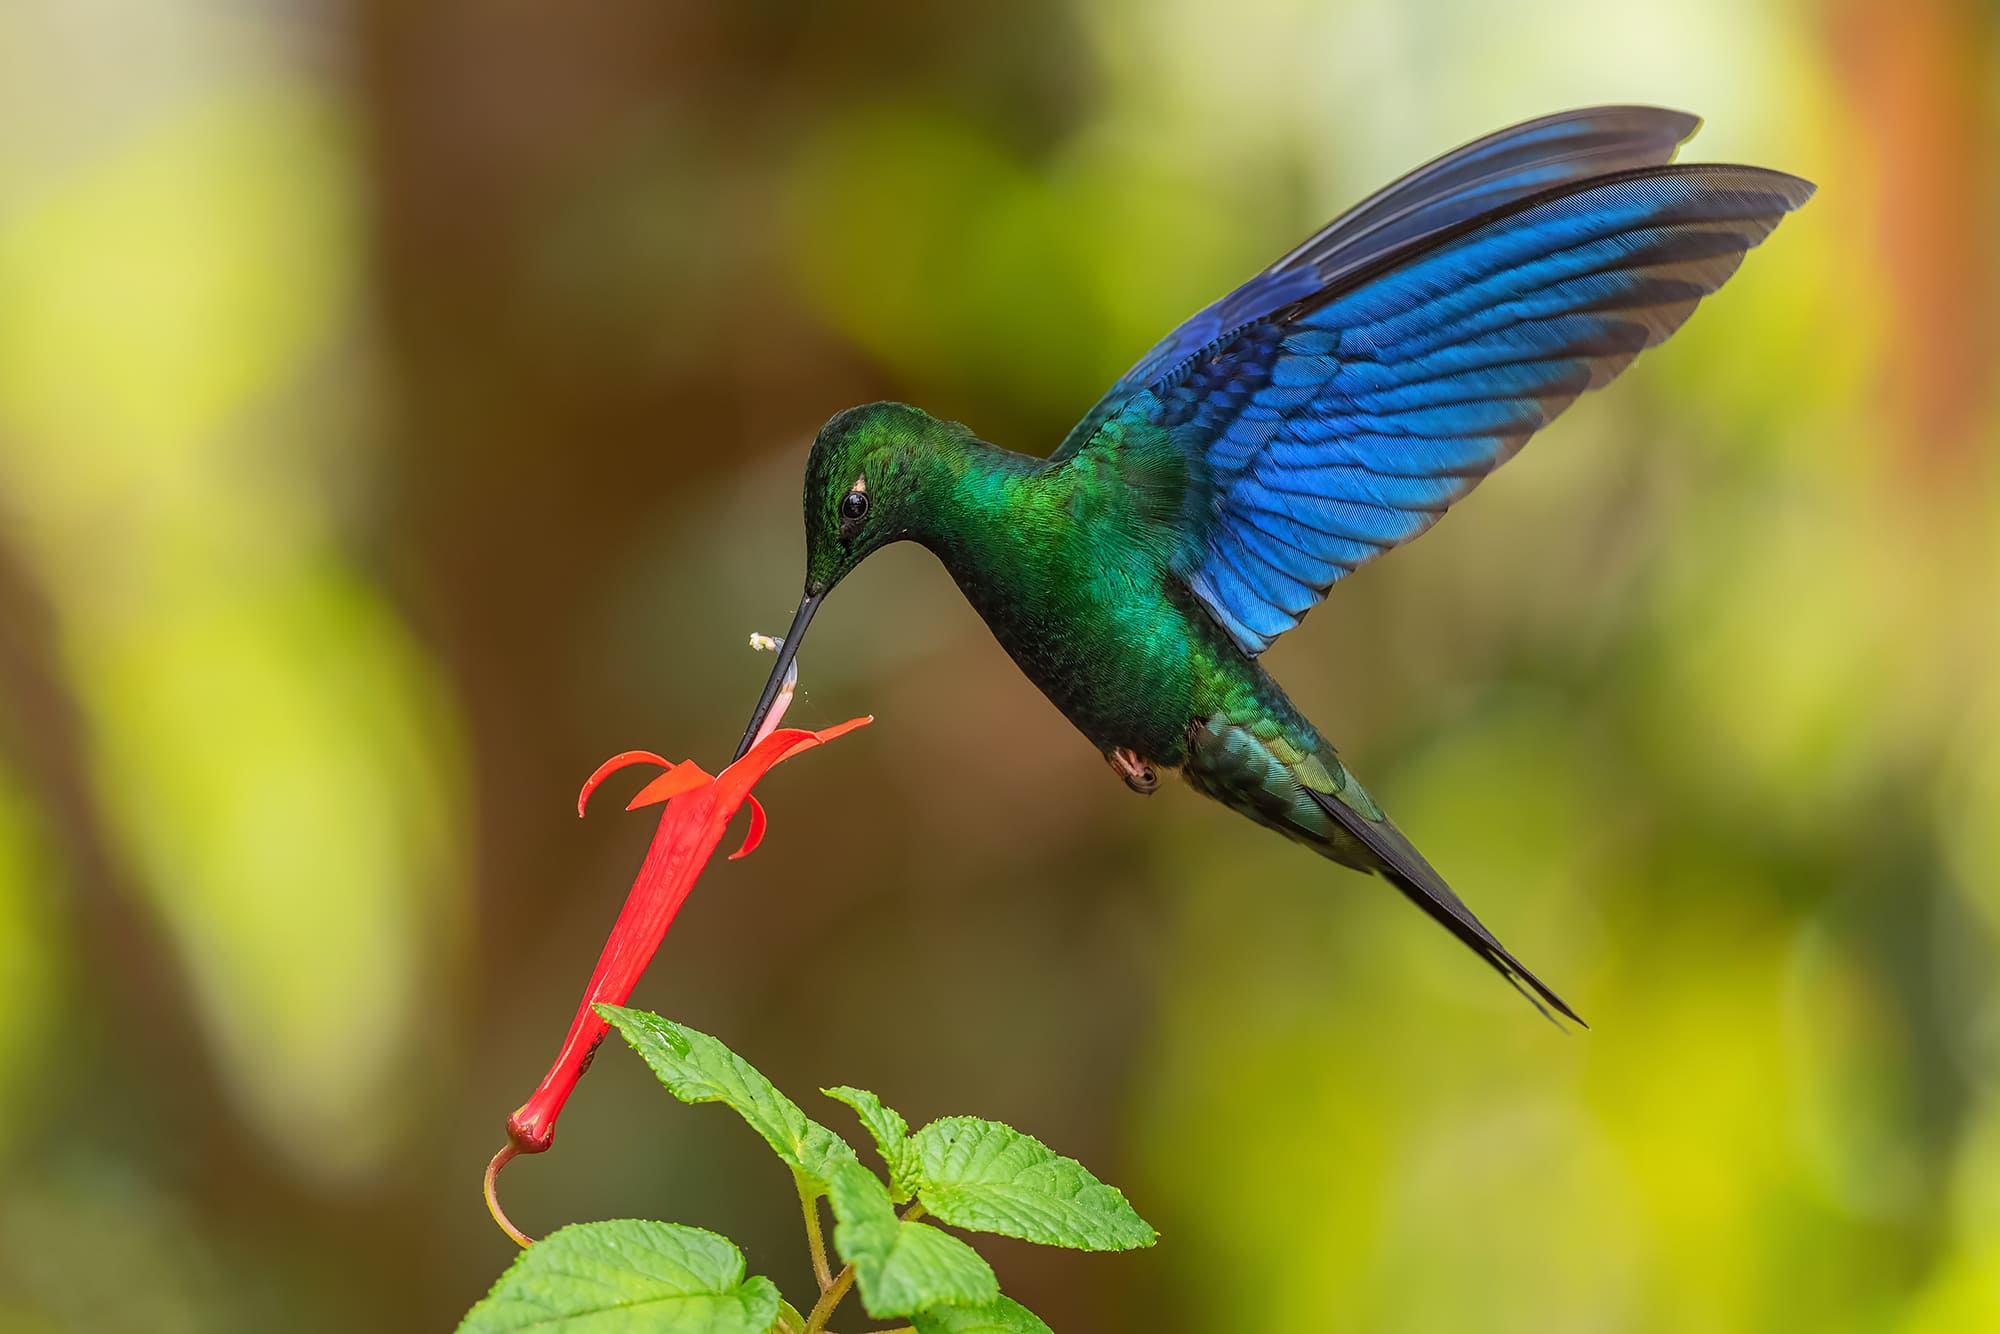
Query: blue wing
x=1346, y=424
x=1478, y=178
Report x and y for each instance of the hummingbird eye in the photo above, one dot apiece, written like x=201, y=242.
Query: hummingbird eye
x=854, y=506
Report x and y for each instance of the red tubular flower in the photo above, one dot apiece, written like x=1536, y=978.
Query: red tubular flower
x=698, y=810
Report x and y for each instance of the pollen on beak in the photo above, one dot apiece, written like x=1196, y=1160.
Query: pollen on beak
x=771, y=644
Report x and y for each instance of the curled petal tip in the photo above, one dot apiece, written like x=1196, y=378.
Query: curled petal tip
x=611, y=766
x=842, y=729
x=756, y=834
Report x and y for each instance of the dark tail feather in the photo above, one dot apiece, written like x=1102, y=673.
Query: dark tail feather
x=1405, y=868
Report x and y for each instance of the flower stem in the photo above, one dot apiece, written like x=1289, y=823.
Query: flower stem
x=814, y=1241
x=500, y=1160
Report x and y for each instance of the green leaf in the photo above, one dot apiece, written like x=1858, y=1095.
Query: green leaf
x=992, y=1178
x=789, y=1320
x=901, y=1266
x=892, y=1137
x=999, y=1316
x=695, y=1067
x=627, y=1276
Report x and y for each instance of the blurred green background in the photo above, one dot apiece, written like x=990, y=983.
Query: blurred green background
x=402, y=407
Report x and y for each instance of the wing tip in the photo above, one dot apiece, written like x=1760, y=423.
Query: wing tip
x=1682, y=125
x=1671, y=124
x=1798, y=188
x=1793, y=190
x=1787, y=193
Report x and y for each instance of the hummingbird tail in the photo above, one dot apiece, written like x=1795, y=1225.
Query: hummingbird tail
x=1266, y=762
x=1398, y=862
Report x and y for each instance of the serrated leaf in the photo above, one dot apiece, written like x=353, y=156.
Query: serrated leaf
x=627, y=1276
x=892, y=1137
x=1002, y=1315
x=990, y=1177
x=695, y=1067
x=901, y=1267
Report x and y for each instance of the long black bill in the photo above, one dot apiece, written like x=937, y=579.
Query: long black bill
x=786, y=652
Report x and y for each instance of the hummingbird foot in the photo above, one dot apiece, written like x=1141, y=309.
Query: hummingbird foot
x=1138, y=775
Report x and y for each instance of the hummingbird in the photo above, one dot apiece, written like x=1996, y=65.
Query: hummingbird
x=1329, y=409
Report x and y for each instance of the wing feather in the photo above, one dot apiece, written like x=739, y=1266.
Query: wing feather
x=1335, y=405
x=1483, y=175
x=1345, y=424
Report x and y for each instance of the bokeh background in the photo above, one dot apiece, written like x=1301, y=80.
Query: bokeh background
x=402, y=407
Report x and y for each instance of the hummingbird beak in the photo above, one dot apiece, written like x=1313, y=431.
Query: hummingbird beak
x=786, y=652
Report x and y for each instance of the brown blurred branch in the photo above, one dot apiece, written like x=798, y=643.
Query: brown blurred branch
x=43, y=731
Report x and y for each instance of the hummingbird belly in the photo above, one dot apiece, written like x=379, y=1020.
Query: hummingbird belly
x=1121, y=670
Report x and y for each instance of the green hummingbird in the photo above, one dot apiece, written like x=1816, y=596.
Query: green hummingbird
x=1327, y=410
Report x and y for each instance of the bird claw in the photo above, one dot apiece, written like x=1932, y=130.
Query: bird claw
x=1138, y=775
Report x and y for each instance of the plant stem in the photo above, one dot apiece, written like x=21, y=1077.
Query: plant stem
x=814, y=1241
x=492, y=1190
x=823, y=1311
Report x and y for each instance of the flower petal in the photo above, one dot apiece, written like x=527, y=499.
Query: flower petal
x=842, y=729
x=684, y=777
x=732, y=783
x=756, y=834
x=611, y=766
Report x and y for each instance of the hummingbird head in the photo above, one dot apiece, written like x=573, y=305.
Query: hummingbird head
x=869, y=482
x=866, y=484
